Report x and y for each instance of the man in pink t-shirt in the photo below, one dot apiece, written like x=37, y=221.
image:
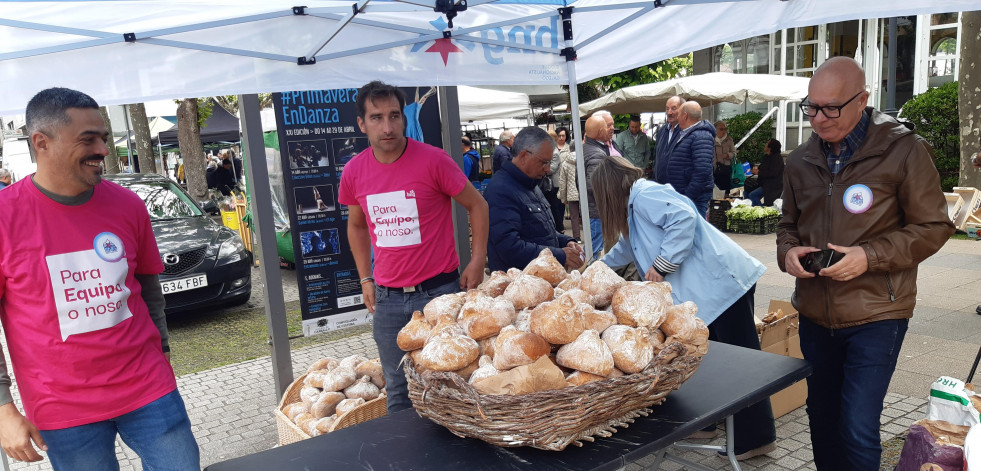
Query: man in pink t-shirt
x=398, y=195
x=82, y=306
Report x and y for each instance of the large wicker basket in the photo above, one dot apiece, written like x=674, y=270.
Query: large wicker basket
x=548, y=420
x=289, y=432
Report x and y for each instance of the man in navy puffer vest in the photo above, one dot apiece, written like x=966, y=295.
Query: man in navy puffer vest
x=687, y=163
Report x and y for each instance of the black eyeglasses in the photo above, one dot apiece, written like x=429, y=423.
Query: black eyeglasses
x=830, y=111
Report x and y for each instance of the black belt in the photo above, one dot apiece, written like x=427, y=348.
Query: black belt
x=434, y=282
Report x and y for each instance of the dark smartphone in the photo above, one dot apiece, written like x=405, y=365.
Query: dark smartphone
x=815, y=261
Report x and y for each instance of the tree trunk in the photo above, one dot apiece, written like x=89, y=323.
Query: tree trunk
x=969, y=96
x=189, y=139
x=112, y=160
x=141, y=134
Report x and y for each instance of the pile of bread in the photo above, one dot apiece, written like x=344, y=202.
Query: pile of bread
x=593, y=325
x=332, y=388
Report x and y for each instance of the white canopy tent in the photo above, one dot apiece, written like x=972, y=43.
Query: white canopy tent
x=481, y=104
x=139, y=50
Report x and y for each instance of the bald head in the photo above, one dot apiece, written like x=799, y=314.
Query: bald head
x=596, y=128
x=691, y=113
x=840, y=81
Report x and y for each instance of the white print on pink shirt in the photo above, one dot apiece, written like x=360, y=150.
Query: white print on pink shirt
x=89, y=286
x=395, y=217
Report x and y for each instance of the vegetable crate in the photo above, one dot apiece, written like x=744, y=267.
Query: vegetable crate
x=765, y=225
x=717, y=214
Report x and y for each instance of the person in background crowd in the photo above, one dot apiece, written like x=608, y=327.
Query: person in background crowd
x=594, y=151
x=502, y=153
x=4, y=178
x=635, y=145
x=552, y=195
x=225, y=178
x=568, y=185
x=884, y=215
x=398, y=178
x=687, y=162
x=667, y=133
x=770, y=175
x=520, y=220
x=611, y=130
x=84, y=378
x=661, y=230
x=725, y=155
x=471, y=160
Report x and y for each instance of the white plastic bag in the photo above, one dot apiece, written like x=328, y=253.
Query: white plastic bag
x=951, y=402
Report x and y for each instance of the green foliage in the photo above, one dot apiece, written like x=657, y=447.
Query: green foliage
x=657, y=72
x=204, y=111
x=934, y=113
x=752, y=149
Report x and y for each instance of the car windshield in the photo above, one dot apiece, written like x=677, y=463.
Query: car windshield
x=164, y=201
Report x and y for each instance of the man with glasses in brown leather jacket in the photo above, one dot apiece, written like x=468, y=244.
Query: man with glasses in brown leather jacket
x=865, y=187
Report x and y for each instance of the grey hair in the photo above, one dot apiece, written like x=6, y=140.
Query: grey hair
x=506, y=136
x=603, y=113
x=48, y=110
x=4, y=173
x=530, y=139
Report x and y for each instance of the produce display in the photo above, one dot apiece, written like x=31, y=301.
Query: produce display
x=751, y=213
x=330, y=389
x=564, y=330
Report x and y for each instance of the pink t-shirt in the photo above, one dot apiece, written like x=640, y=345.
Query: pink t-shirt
x=407, y=205
x=82, y=344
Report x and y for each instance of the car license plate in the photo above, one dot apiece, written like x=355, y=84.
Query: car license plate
x=184, y=284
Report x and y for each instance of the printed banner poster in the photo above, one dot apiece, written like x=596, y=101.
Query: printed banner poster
x=318, y=136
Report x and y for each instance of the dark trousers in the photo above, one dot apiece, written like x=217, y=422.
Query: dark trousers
x=558, y=209
x=852, y=370
x=575, y=217
x=736, y=326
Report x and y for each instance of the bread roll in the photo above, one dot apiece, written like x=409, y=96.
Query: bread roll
x=658, y=334
x=325, y=363
x=522, y=321
x=679, y=321
x=413, y=336
x=352, y=361
x=571, y=281
x=295, y=409
x=324, y=424
x=315, y=379
x=446, y=306
x=348, y=405
x=639, y=304
x=587, y=353
x=483, y=316
x=515, y=348
x=595, y=319
x=326, y=404
x=601, y=282
x=303, y=419
x=487, y=346
x=339, y=378
x=579, y=378
x=362, y=388
x=485, y=370
x=559, y=322
x=664, y=288
x=513, y=274
x=449, y=353
x=632, y=347
x=495, y=285
x=528, y=291
x=546, y=267
x=446, y=328
x=372, y=368
x=309, y=394
x=577, y=295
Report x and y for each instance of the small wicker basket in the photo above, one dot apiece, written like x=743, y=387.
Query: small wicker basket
x=289, y=432
x=549, y=420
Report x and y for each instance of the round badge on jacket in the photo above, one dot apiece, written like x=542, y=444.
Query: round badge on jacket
x=857, y=199
x=109, y=247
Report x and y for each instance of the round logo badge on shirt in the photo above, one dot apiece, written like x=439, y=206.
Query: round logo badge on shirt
x=109, y=247
x=858, y=199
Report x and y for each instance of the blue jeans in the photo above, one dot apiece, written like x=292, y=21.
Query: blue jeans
x=852, y=369
x=596, y=230
x=756, y=196
x=393, y=309
x=159, y=432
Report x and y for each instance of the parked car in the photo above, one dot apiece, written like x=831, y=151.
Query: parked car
x=205, y=264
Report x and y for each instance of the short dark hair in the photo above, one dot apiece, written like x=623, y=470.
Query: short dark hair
x=635, y=118
x=774, y=146
x=559, y=130
x=466, y=141
x=378, y=89
x=49, y=108
x=225, y=162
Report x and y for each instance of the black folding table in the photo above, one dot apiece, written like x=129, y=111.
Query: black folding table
x=728, y=380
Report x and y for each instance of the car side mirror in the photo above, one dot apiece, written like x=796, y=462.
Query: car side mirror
x=209, y=207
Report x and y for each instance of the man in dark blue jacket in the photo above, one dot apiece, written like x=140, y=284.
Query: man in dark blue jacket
x=521, y=223
x=503, y=152
x=686, y=164
x=668, y=132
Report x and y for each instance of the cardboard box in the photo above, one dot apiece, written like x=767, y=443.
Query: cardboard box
x=781, y=338
x=972, y=204
x=973, y=229
x=954, y=205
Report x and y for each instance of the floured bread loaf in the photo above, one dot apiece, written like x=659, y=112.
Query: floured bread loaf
x=513, y=274
x=571, y=281
x=577, y=295
x=579, y=378
x=486, y=370
x=372, y=369
x=352, y=361
x=515, y=348
x=487, y=346
x=339, y=378
x=601, y=282
x=639, y=304
x=522, y=321
x=442, y=307
x=326, y=404
x=680, y=322
x=632, y=347
x=528, y=291
x=449, y=353
x=559, y=322
x=596, y=319
x=483, y=316
x=466, y=371
x=587, y=353
x=446, y=328
x=495, y=284
x=325, y=363
x=546, y=267
x=348, y=405
x=413, y=336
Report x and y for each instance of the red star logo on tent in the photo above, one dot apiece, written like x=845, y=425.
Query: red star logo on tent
x=444, y=46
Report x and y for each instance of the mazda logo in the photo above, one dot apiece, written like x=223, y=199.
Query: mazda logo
x=171, y=259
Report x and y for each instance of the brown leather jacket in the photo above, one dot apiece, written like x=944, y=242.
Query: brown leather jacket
x=905, y=223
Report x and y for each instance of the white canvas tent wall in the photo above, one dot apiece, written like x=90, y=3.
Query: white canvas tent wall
x=132, y=50
x=481, y=104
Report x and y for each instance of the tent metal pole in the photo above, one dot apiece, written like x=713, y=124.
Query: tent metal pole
x=254, y=149
x=449, y=116
x=587, y=238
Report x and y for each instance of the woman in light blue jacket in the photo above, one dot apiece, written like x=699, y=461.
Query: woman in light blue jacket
x=661, y=231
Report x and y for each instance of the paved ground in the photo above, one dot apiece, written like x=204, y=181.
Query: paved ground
x=230, y=407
